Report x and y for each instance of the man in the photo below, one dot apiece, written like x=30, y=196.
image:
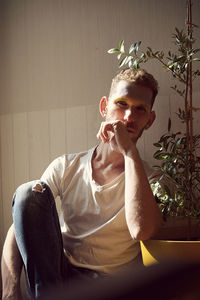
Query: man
x=107, y=205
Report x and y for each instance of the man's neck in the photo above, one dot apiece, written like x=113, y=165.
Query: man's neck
x=106, y=164
x=105, y=156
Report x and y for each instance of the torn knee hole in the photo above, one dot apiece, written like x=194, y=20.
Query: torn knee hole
x=38, y=188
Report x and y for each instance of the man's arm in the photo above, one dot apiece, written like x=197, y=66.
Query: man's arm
x=143, y=215
x=11, y=267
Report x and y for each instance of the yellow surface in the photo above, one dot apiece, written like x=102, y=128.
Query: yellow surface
x=154, y=251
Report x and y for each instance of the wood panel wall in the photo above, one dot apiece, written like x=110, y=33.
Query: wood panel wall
x=31, y=140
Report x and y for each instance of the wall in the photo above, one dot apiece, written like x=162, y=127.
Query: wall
x=54, y=70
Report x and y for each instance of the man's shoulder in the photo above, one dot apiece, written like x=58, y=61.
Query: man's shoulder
x=60, y=167
x=69, y=158
x=83, y=154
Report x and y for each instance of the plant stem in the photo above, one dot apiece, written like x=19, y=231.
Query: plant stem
x=166, y=66
x=189, y=117
x=189, y=22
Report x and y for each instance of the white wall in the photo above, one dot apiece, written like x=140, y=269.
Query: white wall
x=31, y=140
x=54, y=69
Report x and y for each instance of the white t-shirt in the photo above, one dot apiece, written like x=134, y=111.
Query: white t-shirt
x=93, y=225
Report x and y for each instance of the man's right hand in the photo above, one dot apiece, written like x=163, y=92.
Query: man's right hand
x=115, y=133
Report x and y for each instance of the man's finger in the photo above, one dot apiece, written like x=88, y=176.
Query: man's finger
x=104, y=130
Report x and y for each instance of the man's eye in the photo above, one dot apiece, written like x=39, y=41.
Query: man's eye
x=141, y=108
x=122, y=103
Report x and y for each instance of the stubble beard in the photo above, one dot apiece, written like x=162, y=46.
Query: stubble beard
x=135, y=139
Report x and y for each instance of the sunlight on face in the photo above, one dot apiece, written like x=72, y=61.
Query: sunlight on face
x=139, y=104
x=132, y=92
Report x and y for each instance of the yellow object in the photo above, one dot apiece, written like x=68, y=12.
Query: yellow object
x=135, y=102
x=154, y=251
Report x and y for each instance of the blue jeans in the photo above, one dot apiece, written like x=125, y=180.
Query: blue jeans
x=39, y=239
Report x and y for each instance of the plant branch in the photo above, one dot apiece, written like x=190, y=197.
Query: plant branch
x=168, y=68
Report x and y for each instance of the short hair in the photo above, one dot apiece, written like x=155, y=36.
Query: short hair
x=139, y=77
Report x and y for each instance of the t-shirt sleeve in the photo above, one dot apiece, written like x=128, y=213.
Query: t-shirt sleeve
x=53, y=175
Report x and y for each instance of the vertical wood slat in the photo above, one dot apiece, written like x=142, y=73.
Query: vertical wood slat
x=7, y=170
x=57, y=133
x=76, y=129
x=20, y=147
x=93, y=119
x=38, y=136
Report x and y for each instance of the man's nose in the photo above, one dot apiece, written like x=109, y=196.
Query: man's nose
x=130, y=114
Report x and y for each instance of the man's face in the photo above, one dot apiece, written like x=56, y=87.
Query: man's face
x=131, y=104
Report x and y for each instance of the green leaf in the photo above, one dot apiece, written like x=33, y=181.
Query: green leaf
x=132, y=47
x=196, y=59
x=156, y=167
x=157, y=153
x=137, y=45
x=157, y=145
x=177, y=31
x=113, y=50
x=119, y=56
x=136, y=64
x=130, y=63
x=121, y=46
x=123, y=61
x=196, y=50
x=177, y=144
x=161, y=156
x=143, y=57
x=148, y=53
x=165, y=155
x=167, y=190
x=129, y=58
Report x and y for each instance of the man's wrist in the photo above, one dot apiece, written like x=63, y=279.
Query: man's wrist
x=131, y=152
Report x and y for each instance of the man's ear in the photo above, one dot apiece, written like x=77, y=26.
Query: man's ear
x=103, y=106
x=151, y=120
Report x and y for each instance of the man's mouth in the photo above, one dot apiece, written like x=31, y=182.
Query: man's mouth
x=130, y=128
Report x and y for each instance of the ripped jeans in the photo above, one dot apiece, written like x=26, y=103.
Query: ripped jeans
x=39, y=239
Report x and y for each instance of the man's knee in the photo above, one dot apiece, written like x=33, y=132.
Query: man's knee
x=39, y=187
x=29, y=194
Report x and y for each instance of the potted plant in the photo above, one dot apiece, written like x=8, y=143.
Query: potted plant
x=178, y=152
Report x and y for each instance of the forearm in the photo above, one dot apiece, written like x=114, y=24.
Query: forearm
x=143, y=215
x=11, y=266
